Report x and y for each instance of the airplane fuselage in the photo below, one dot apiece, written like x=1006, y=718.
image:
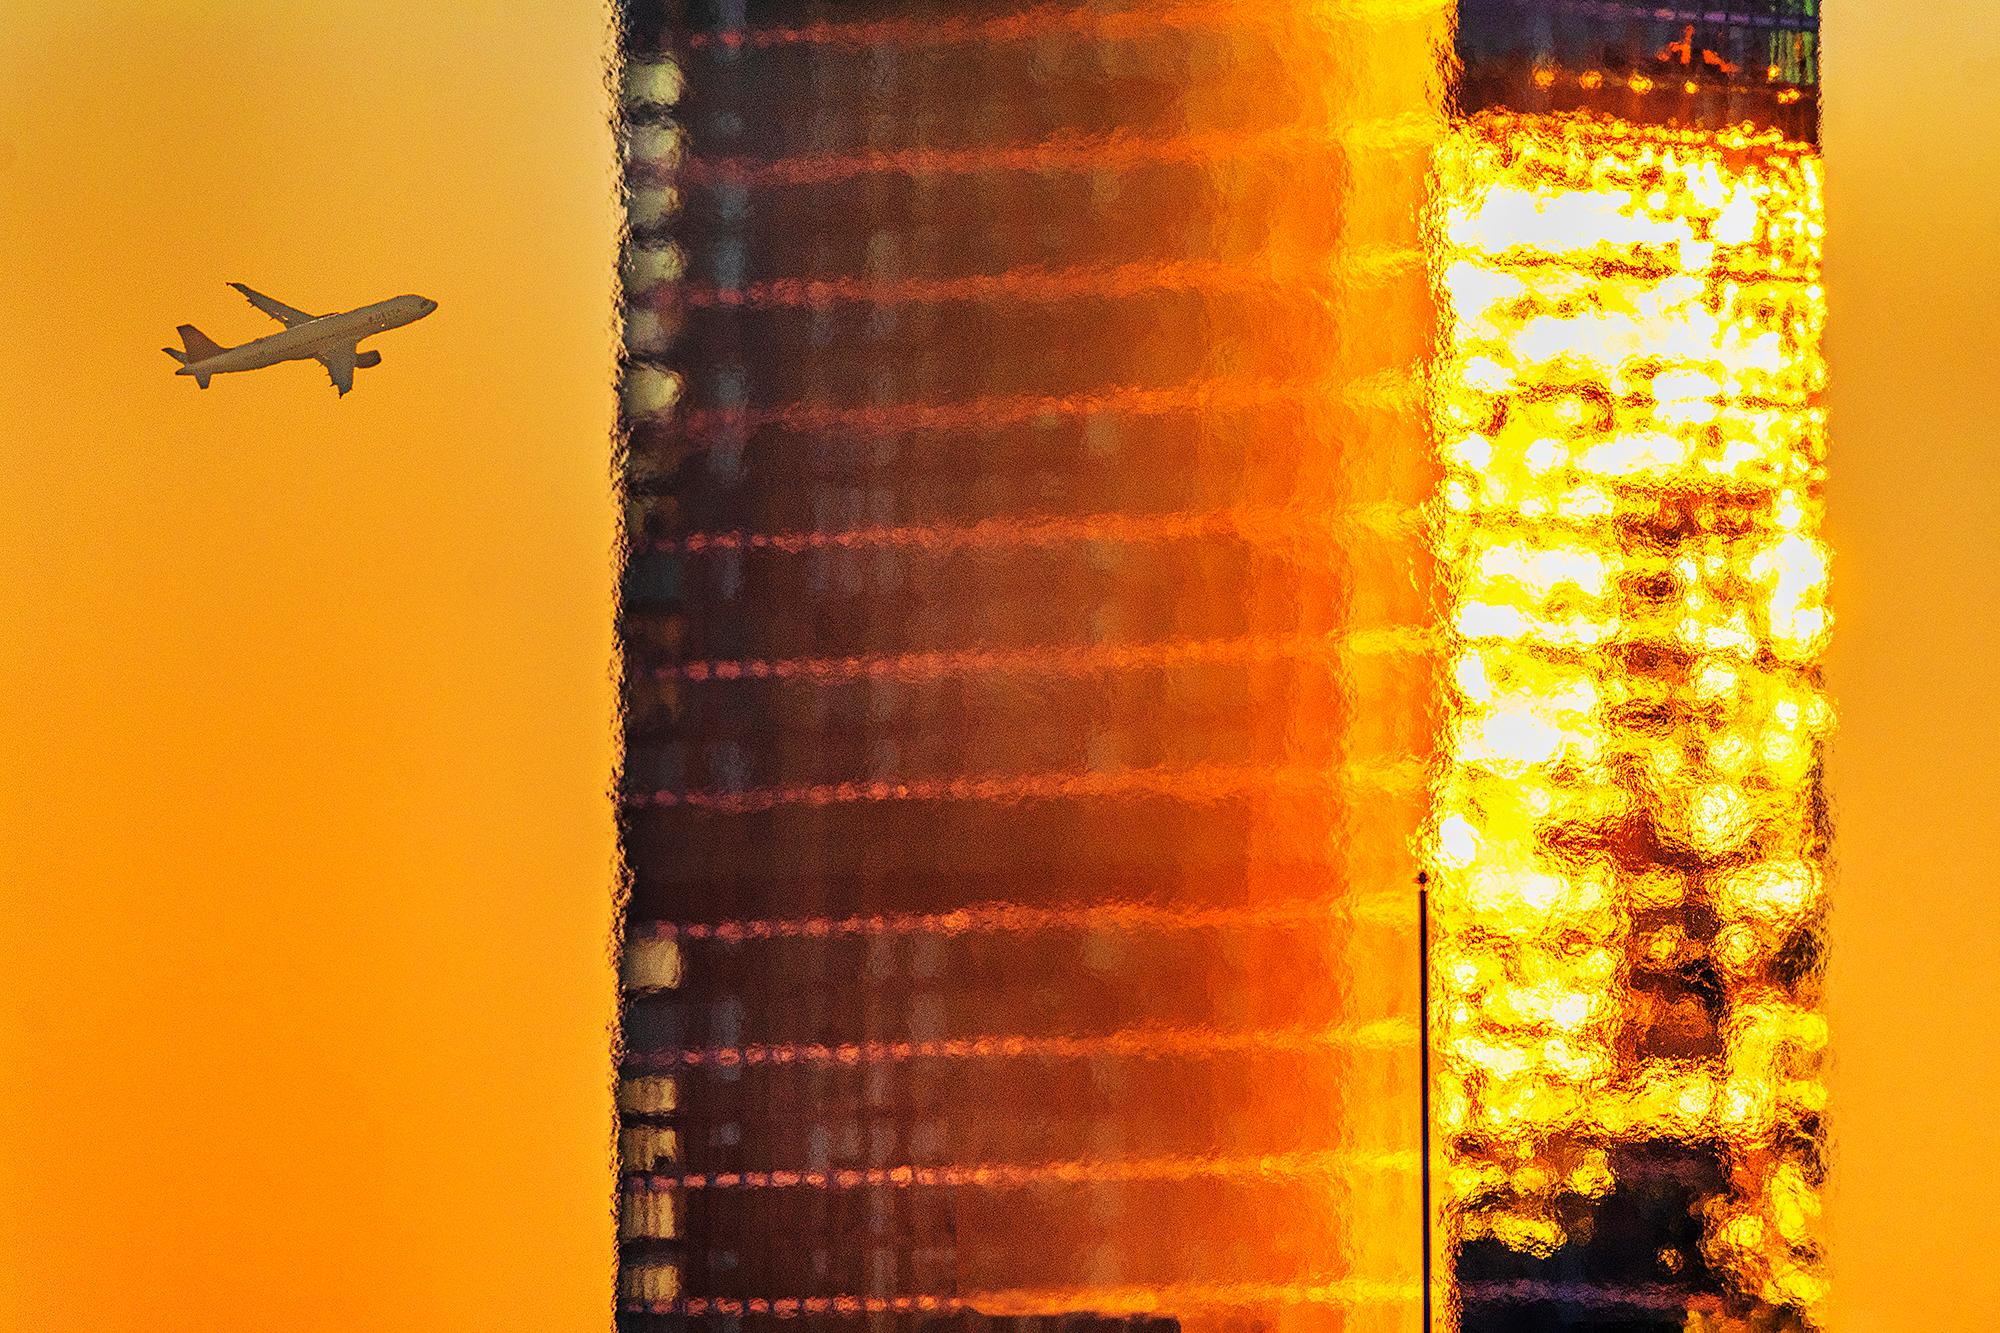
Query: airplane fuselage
x=313, y=337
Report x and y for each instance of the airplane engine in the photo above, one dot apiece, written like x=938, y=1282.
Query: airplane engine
x=364, y=359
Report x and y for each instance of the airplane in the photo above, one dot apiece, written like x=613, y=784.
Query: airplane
x=328, y=339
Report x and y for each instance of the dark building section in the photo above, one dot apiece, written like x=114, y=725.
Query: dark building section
x=1708, y=65
x=1633, y=1261
x=971, y=1321
x=1022, y=664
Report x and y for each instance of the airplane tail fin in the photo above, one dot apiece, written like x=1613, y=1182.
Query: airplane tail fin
x=199, y=348
x=199, y=345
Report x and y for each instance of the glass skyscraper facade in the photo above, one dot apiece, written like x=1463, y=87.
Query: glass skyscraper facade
x=1119, y=495
x=1024, y=662
x=1629, y=831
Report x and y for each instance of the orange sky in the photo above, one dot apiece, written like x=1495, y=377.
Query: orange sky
x=303, y=700
x=304, y=706
x=1914, y=230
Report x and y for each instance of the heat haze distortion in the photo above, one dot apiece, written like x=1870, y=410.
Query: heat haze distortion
x=1629, y=836
x=1113, y=492
x=1026, y=655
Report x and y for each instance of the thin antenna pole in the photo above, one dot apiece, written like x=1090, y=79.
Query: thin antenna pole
x=1424, y=1070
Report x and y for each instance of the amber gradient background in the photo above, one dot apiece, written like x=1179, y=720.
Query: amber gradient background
x=307, y=717
x=1913, y=266
x=304, y=708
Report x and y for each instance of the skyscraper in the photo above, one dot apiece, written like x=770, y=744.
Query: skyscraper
x=1025, y=646
x=1116, y=492
x=1629, y=833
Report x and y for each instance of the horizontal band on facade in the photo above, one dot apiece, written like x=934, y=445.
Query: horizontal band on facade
x=1386, y=1034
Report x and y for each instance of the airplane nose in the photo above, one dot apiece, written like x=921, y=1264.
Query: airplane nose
x=429, y=305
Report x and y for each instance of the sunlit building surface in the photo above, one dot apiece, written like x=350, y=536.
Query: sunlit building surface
x=1629, y=839
x=1026, y=662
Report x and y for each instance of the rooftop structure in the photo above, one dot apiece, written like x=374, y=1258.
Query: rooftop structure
x=1711, y=65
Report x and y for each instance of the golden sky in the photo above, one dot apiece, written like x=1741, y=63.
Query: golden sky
x=1913, y=235
x=304, y=700
x=304, y=705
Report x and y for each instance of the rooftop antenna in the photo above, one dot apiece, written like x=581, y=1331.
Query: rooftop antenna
x=1424, y=1069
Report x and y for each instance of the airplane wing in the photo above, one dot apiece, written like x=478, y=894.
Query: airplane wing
x=339, y=363
x=277, y=310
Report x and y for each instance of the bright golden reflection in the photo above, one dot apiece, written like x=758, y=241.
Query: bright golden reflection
x=1629, y=840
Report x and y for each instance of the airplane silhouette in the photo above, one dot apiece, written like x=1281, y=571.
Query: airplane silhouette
x=330, y=340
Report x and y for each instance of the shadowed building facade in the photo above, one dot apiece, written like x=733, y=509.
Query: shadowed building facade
x=1024, y=662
